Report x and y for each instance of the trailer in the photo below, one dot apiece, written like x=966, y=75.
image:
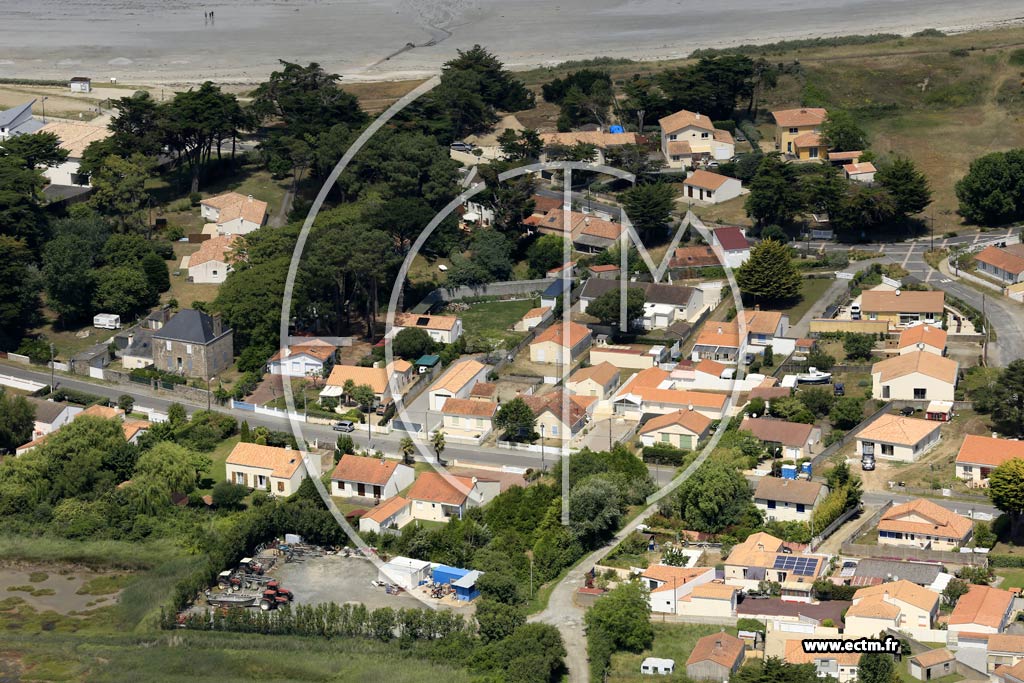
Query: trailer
x=107, y=321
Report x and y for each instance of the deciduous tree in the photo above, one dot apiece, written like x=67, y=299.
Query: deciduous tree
x=517, y=421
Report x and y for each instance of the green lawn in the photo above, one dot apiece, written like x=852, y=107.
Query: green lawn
x=903, y=669
x=811, y=289
x=218, y=468
x=671, y=641
x=1012, y=578
x=493, y=319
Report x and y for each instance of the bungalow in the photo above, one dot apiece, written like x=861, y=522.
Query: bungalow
x=604, y=272
x=438, y=497
x=595, y=380
x=694, y=257
x=668, y=585
x=810, y=146
x=266, y=468
x=688, y=138
x=982, y=609
x=654, y=391
x=923, y=524
x=305, y=359
x=552, y=422
x=1001, y=264
x=391, y=515
x=232, y=213
x=788, y=500
x=1004, y=649
x=734, y=245
x=900, y=605
x=376, y=478
x=792, y=123
x=680, y=429
x=558, y=289
x=939, y=411
x=767, y=328
x=210, y=264
x=717, y=341
x=80, y=84
x=600, y=140
x=979, y=455
x=894, y=437
x=709, y=600
x=860, y=172
x=468, y=418
x=923, y=338
x=917, y=376
x=713, y=188
x=532, y=318
x=133, y=429
x=844, y=158
x=840, y=666
x=663, y=303
x=104, y=412
x=629, y=356
x=457, y=382
x=74, y=137
x=900, y=308
x=441, y=328
x=715, y=657
x=386, y=383
x=51, y=415
x=762, y=557
x=554, y=346
x=932, y=664
x=588, y=233
x=784, y=439
x=18, y=121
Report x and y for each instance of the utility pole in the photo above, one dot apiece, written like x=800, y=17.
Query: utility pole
x=984, y=321
x=51, y=368
x=543, y=465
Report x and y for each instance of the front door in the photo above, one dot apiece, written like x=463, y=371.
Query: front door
x=376, y=492
x=361, y=489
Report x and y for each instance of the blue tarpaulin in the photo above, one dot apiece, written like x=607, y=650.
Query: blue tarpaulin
x=616, y=129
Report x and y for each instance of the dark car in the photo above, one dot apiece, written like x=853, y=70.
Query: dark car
x=344, y=426
x=462, y=146
x=839, y=389
x=867, y=462
x=907, y=411
x=383, y=407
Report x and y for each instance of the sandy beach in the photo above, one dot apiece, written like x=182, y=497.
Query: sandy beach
x=170, y=41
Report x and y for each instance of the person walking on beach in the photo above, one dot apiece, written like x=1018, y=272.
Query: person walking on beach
x=206, y=18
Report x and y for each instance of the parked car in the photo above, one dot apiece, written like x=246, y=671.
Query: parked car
x=855, y=312
x=383, y=407
x=344, y=426
x=867, y=462
x=461, y=146
x=839, y=389
x=907, y=411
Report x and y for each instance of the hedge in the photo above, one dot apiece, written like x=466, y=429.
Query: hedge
x=80, y=397
x=1006, y=561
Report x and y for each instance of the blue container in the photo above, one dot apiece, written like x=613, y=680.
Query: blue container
x=806, y=469
x=616, y=129
x=789, y=471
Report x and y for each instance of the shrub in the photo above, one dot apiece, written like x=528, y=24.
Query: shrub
x=194, y=198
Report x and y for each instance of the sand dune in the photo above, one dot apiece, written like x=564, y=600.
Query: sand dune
x=169, y=41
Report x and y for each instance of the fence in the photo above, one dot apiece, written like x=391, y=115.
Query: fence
x=18, y=358
x=831, y=528
x=513, y=446
x=22, y=384
x=895, y=552
x=822, y=457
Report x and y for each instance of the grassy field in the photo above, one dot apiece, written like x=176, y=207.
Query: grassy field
x=492, y=320
x=1012, y=578
x=671, y=641
x=811, y=290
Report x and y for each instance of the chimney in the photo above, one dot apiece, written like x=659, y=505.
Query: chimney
x=250, y=199
x=287, y=447
x=719, y=329
x=757, y=307
x=218, y=324
x=897, y=292
x=286, y=352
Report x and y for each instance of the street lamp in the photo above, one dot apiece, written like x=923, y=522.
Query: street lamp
x=543, y=466
x=43, y=103
x=51, y=368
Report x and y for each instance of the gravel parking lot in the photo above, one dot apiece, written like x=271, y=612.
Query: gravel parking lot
x=334, y=578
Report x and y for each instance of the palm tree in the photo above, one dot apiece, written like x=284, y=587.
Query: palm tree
x=408, y=450
x=437, y=441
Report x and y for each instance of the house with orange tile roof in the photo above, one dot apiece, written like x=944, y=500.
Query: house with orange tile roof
x=74, y=137
x=810, y=146
x=468, y=419
x=598, y=380
x=689, y=138
x=1001, y=264
x=437, y=497
x=376, y=478
x=979, y=455
x=983, y=609
x=308, y=358
x=915, y=376
x=1006, y=673
x=654, y=391
x=894, y=437
x=924, y=524
x=860, y=172
x=629, y=356
x=667, y=584
x=386, y=383
x=928, y=338
x=532, y=318
x=442, y=328
x=456, y=382
x=133, y=429
x=554, y=345
x=715, y=657
x=679, y=429
x=388, y=516
x=553, y=422
x=710, y=188
x=763, y=557
x=587, y=232
x=1004, y=649
x=600, y=140
x=267, y=468
x=210, y=264
x=713, y=599
x=841, y=666
x=901, y=308
x=105, y=412
x=694, y=257
x=792, y=123
x=901, y=605
x=232, y=213
x=933, y=664
x=604, y=272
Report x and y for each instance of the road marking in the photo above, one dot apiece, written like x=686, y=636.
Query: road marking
x=907, y=257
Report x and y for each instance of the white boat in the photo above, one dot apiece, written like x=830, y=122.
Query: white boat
x=813, y=376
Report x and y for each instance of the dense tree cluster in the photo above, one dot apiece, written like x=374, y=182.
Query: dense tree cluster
x=992, y=192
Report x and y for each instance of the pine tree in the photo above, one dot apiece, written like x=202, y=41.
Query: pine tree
x=769, y=275
x=243, y=432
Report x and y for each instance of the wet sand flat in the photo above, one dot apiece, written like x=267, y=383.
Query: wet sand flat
x=157, y=41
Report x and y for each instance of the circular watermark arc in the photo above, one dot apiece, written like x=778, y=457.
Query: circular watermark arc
x=420, y=444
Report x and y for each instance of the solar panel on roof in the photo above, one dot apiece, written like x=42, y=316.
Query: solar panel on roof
x=423, y=321
x=801, y=566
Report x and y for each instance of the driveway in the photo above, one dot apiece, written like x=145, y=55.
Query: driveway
x=605, y=432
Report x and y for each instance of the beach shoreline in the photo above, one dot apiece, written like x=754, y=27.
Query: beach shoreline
x=373, y=44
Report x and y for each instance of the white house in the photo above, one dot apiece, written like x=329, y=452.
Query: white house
x=306, y=359
x=457, y=382
x=387, y=383
x=471, y=419
x=551, y=345
x=734, y=245
x=211, y=263
x=788, y=500
x=860, y=172
x=18, y=120
x=667, y=584
x=791, y=440
x=441, y=328
x=688, y=138
x=894, y=437
x=438, y=497
x=679, y=429
x=711, y=188
x=598, y=380
x=915, y=376
x=841, y=666
x=979, y=455
x=1005, y=265
x=923, y=338
x=74, y=137
x=363, y=477
x=51, y=415
x=532, y=318
x=234, y=214
x=80, y=84
x=982, y=610
x=267, y=468
x=390, y=515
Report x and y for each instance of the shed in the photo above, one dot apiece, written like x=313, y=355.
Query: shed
x=940, y=411
x=657, y=665
x=932, y=664
x=425, y=363
x=465, y=588
x=405, y=572
x=80, y=84
x=445, y=574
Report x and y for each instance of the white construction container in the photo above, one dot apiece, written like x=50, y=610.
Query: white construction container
x=107, y=321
